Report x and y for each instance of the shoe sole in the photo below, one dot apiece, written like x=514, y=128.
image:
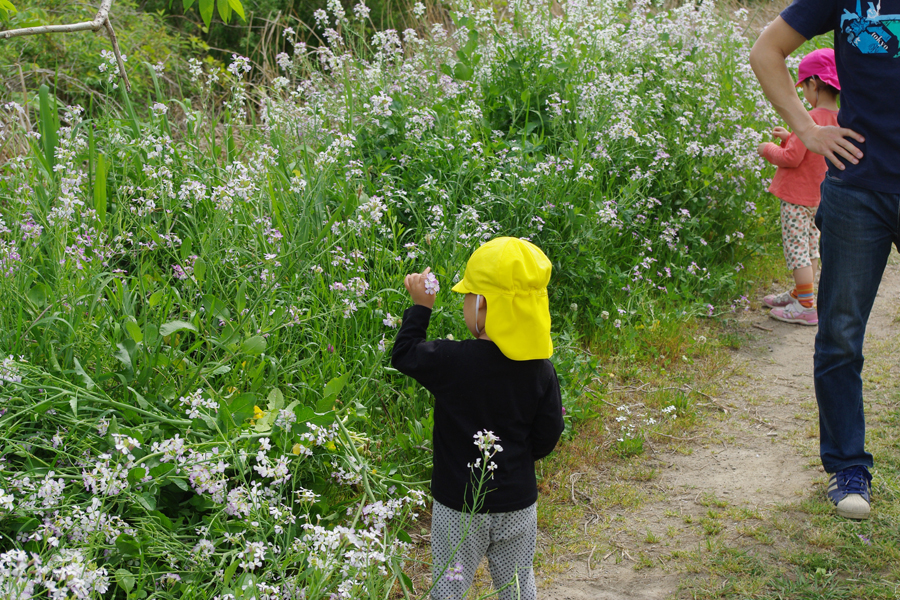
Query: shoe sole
x=795, y=321
x=849, y=514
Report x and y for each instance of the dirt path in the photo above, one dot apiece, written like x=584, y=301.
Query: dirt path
x=758, y=451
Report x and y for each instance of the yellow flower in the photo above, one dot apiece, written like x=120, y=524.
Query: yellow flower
x=296, y=449
x=330, y=446
x=258, y=413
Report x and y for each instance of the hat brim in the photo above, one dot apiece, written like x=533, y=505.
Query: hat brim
x=462, y=287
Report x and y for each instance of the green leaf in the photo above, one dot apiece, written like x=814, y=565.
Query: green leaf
x=240, y=408
x=173, y=326
x=199, y=269
x=125, y=580
x=237, y=7
x=38, y=294
x=254, y=346
x=88, y=382
x=186, y=247
x=147, y=500
x=325, y=404
x=24, y=524
x=123, y=356
x=275, y=400
x=161, y=469
x=206, y=10
x=229, y=572
x=241, y=299
x=208, y=421
x=134, y=330
x=404, y=537
x=156, y=297
x=136, y=474
x=463, y=72
x=187, y=4
x=100, y=188
x=164, y=520
x=49, y=125
x=215, y=307
x=224, y=10
x=127, y=545
x=264, y=424
x=334, y=387
x=406, y=580
x=142, y=402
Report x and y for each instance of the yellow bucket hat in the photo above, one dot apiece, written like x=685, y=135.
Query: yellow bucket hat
x=512, y=275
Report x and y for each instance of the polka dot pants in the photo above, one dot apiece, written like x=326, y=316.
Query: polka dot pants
x=507, y=539
x=799, y=235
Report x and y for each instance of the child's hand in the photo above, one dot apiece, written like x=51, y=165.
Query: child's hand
x=781, y=133
x=422, y=287
x=759, y=149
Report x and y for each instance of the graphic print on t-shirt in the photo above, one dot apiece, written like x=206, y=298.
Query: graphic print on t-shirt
x=873, y=33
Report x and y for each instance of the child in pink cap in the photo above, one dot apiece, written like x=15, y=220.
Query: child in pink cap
x=796, y=182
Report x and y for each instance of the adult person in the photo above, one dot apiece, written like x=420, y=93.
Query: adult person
x=858, y=214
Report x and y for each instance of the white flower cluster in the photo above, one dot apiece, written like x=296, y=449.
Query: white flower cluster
x=63, y=575
x=111, y=66
x=9, y=370
x=277, y=471
x=487, y=445
x=194, y=402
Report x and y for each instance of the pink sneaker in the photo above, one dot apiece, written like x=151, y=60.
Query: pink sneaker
x=779, y=300
x=796, y=313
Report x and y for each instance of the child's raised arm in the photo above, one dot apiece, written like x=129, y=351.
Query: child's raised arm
x=422, y=287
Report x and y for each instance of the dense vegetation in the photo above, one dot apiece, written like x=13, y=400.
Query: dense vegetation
x=200, y=291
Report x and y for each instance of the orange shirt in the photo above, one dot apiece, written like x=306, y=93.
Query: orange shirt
x=800, y=172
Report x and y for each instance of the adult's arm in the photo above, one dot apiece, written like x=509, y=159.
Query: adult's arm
x=767, y=58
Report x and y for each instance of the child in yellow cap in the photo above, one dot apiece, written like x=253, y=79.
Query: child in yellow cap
x=498, y=388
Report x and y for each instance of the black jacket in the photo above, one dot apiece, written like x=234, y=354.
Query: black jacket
x=477, y=388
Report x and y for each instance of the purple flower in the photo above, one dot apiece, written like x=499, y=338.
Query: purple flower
x=455, y=573
x=432, y=286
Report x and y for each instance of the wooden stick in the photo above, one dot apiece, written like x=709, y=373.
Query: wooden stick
x=94, y=25
x=100, y=21
x=119, y=59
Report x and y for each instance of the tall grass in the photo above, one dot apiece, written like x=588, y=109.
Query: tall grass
x=200, y=293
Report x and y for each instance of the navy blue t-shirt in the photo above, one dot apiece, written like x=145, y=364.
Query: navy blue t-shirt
x=867, y=54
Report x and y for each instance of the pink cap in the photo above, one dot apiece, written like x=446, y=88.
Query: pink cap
x=820, y=63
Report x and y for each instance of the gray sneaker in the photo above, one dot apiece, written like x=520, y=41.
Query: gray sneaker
x=779, y=300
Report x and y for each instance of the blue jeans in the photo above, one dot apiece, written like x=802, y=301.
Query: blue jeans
x=858, y=228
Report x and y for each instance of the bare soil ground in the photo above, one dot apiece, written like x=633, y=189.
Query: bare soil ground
x=758, y=453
